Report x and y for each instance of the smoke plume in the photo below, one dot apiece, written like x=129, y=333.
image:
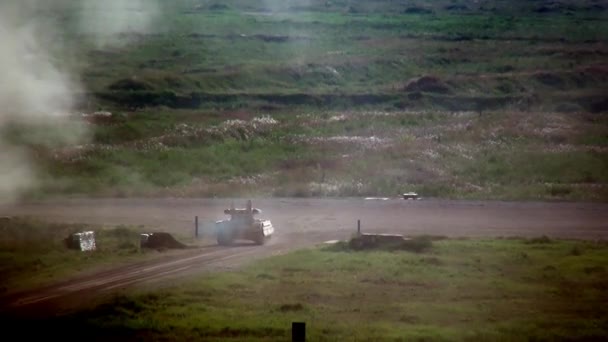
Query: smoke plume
x=33, y=88
x=37, y=88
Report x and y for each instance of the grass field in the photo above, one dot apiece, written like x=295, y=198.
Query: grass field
x=238, y=55
x=494, y=99
x=468, y=289
x=34, y=253
x=500, y=155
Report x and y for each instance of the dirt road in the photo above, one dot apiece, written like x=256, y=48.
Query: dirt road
x=336, y=217
x=299, y=223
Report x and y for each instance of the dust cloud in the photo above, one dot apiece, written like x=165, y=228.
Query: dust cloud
x=34, y=89
x=38, y=89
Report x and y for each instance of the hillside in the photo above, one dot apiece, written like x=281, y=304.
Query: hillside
x=461, y=99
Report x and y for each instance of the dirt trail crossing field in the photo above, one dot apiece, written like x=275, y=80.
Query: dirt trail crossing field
x=298, y=222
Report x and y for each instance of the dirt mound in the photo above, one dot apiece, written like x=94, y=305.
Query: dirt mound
x=429, y=84
x=162, y=240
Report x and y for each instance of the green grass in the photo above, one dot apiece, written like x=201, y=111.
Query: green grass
x=499, y=154
x=488, y=289
x=537, y=167
x=131, y=169
x=368, y=50
x=513, y=63
x=33, y=253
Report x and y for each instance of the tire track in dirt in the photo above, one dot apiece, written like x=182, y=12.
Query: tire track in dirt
x=50, y=299
x=72, y=294
x=120, y=278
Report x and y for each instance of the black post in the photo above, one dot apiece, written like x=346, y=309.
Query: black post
x=359, y=227
x=196, y=226
x=298, y=332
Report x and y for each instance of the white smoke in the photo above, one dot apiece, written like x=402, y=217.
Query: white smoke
x=32, y=84
x=36, y=87
x=33, y=88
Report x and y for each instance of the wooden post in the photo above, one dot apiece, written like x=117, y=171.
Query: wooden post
x=298, y=332
x=358, y=227
x=196, y=226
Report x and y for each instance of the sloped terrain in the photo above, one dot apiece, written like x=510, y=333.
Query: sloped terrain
x=492, y=99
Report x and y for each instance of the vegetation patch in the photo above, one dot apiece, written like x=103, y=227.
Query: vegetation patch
x=497, y=289
x=34, y=252
x=435, y=97
x=415, y=244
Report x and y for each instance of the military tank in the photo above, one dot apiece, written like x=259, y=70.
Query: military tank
x=242, y=225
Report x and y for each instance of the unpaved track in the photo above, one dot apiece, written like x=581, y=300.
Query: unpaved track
x=299, y=223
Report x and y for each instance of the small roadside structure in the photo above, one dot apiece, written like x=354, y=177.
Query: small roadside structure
x=390, y=242
x=377, y=240
x=82, y=241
